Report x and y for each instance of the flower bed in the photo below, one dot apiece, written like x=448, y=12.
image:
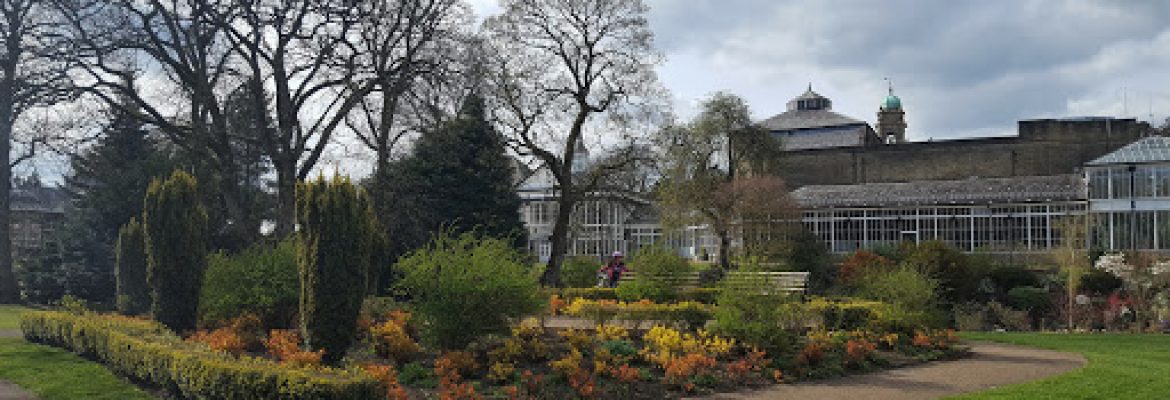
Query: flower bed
x=687, y=313
x=147, y=352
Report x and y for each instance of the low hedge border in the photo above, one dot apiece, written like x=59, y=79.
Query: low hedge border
x=701, y=295
x=148, y=352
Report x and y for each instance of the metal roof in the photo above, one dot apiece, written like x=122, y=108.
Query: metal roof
x=1024, y=189
x=807, y=119
x=1152, y=149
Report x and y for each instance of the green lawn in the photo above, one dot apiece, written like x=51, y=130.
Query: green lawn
x=53, y=373
x=1121, y=366
x=10, y=316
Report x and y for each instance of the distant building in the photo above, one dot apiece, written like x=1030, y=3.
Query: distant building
x=861, y=186
x=37, y=212
x=1129, y=197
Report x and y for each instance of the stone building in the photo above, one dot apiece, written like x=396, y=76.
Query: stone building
x=37, y=212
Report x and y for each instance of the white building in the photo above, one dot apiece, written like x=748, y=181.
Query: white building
x=1129, y=197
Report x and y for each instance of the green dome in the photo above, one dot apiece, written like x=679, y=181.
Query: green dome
x=892, y=103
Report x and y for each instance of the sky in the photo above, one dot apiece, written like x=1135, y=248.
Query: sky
x=963, y=68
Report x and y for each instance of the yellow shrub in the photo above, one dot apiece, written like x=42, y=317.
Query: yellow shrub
x=392, y=341
x=607, y=333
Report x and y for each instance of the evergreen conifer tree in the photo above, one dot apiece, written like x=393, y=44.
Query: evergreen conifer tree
x=175, y=226
x=335, y=241
x=458, y=178
x=130, y=270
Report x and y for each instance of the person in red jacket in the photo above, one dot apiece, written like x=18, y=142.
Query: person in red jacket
x=614, y=270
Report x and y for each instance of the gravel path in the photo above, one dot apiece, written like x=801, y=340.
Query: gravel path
x=990, y=365
x=10, y=333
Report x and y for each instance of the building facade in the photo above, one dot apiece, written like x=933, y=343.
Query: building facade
x=37, y=212
x=1129, y=197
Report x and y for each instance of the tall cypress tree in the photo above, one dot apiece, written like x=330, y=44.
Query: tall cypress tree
x=458, y=178
x=175, y=226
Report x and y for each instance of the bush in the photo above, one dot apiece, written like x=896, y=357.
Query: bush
x=262, y=280
x=911, y=294
x=762, y=320
x=701, y=295
x=659, y=270
x=970, y=317
x=1034, y=300
x=579, y=272
x=335, y=242
x=147, y=352
x=1100, y=282
x=953, y=270
x=858, y=264
x=175, y=225
x=468, y=286
x=687, y=314
x=133, y=293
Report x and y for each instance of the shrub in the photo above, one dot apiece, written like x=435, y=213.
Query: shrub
x=133, y=293
x=579, y=272
x=175, y=226
x=910, y=292
x=147, y=352
x=759, y=319
x=392, y=341
x=953, y=270
x=262, y=280
x=336, y=227
x=858, y=264
x=1033, y=300
x=1100, y=282
x=285, y=346
x=970, y=317
x=659, y=270
x=704, y=295
x=687, y=313
x=468, y=286
x=1007, y=318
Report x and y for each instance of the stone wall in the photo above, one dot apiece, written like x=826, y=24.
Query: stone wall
x=1043, y=147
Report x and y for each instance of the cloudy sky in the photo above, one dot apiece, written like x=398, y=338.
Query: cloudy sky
x=962, y=68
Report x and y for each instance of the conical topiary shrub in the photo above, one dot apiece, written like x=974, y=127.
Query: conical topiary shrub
x=175, y=224
x=133, y=293
x=335, y=227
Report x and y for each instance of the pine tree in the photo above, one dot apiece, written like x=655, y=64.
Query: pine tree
x=459, y=179
x=335, y=237
x=108, y=182
x=130, y=270
x=175, y=226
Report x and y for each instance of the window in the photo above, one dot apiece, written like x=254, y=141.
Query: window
x=1119, y=182
x=1143, y=182
x=1099, y=183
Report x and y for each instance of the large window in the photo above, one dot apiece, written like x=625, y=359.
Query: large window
x=1143, y=182
x=1099, y=183
x=1119, y=183
x=1161, y=181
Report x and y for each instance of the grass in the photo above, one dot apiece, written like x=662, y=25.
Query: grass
x=1121, y=366
x=10, y=316
x=52, y=373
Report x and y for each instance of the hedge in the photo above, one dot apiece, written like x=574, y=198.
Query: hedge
x=146, y=351
x=701, y=295
x=688, y=313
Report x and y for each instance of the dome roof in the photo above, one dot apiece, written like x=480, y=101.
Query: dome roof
x=892, y=103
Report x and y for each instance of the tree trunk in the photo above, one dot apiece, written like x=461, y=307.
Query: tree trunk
x=560, y=241
x=286, y=198
x=724, y=249
x=9, y=291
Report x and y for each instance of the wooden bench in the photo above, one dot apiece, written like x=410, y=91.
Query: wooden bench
x=778, y=282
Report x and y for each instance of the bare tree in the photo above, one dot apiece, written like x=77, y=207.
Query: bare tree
x=178, y=47
x=32, y=75
x=557, y=64
x=304, y=56
x=412, y=50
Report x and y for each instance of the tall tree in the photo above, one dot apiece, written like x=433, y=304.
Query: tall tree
x=32, y=75
x=557, y=64
x=114, y=39
x=704, y=160
x=458, y=178
x=107, y=183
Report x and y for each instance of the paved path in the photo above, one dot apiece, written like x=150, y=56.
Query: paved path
x=990, y=366
x=10, y=333
x=9, y=391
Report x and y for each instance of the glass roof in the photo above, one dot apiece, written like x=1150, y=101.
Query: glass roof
x=1153, y=149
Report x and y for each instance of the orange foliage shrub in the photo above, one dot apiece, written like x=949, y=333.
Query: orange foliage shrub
x=285, y=345
x=862, y=260
x=921, y=340
x=858, y=350
x=753, y=363
x=389, y=377
x=680, y=370
x=222, y=339
x=392, y=341
x=812, y=354
x=626, y=374
x=460, y=363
